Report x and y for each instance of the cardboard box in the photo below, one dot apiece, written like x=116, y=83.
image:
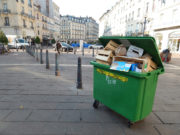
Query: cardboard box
x=134, y=51
x=111, y=46
x=104, y=57
x=121, y=66
x=144, y=62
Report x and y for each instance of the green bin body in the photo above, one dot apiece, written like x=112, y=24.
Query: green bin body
x=130, y=94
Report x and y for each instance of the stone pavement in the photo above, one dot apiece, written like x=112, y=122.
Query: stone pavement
x=35, y=102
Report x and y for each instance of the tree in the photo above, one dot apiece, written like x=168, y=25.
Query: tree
x=3, y=38
x=37, y=40
x=53, y=41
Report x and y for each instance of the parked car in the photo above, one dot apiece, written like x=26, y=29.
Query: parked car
x=66, y=47
x=18, y=43
x=96, y=46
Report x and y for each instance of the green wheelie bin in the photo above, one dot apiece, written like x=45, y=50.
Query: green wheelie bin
x=130, y=94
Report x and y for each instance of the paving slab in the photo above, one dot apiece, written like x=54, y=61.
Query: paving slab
x=169, y=117
x=44, y=115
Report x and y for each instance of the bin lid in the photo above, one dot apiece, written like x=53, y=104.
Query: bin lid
x=146, y=43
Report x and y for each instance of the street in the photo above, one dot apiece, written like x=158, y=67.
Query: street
x=33, y=101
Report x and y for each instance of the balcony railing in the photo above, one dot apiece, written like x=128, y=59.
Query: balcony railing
x=24, y=25
x=32, y=27
x=32, y=17
x=5, y=11
x=6, y=24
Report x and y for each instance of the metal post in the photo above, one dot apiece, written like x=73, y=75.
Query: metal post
x=33, y=51
x=74, y=50
x=37, y=58
x=93, y=52
x=145, y=21
x=41, y=56
x=79, y=74
x=67, y=50
x=83, y=51
x=57, y=73
x=47, y=60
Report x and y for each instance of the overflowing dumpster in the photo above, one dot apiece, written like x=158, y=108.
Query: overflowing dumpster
x=130, y=94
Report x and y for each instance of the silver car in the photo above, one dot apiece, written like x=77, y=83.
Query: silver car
x=96, y=46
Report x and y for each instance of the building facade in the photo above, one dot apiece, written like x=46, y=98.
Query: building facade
x=46, y=7
x=167, y=25
x=74, y=29
x=17, y=18
x=56, y=17
x=26, y=19
x=158, y=18
x=91, y=29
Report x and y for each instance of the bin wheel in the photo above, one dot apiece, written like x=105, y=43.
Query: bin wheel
x=130, y=124
x=96, y=104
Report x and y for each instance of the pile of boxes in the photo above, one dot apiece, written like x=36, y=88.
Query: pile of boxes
x=125, y=58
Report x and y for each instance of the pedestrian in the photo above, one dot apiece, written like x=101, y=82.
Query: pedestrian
x=166, y=55
x=58, y=47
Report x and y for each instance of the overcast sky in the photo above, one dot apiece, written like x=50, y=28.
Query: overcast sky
x=92, y=8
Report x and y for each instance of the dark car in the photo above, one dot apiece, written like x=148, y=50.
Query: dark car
x=66, y=47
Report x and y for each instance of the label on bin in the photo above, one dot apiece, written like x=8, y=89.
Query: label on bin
x=123, y=79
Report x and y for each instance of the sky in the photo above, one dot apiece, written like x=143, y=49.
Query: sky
x=91, y=8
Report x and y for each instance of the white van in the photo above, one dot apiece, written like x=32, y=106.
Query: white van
x=18, y=43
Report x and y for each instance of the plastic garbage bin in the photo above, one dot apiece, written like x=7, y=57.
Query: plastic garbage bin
x=130, y=94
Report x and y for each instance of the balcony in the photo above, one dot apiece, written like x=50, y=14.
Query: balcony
x=25, y=26
x=24, y=14
x=32, y=27
x=6, y=24
x=32, y=17
x=5, y=11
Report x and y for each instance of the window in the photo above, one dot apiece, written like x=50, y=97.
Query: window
x=24, y=23
x=32, y=25
x=138, y=15
x=147, y=7
x=6, y=21
x=5, y=6
x=22, y=10
x=29, y=3
x=22, y=1
x=38, y=32
x=132, y=15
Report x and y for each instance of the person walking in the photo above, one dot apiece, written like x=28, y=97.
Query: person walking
x=58, y=47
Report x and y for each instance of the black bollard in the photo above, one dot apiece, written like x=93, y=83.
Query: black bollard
x=79, y=75
x=47, y=60
x=33, y=51
x=74, y=49
x=67, y=50
x=37, y=57
x=57, y=73
x=93, y=52
x=41, y=56
x=83, y=51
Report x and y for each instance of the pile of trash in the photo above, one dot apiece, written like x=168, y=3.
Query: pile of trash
x=126, y=58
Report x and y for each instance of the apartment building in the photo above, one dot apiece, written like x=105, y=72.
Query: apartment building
x=56, y=17
x=158, y=18
x=41, y=23
x=74, y=29
x=17, y=18
x=91, y=30
x=167, y=25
